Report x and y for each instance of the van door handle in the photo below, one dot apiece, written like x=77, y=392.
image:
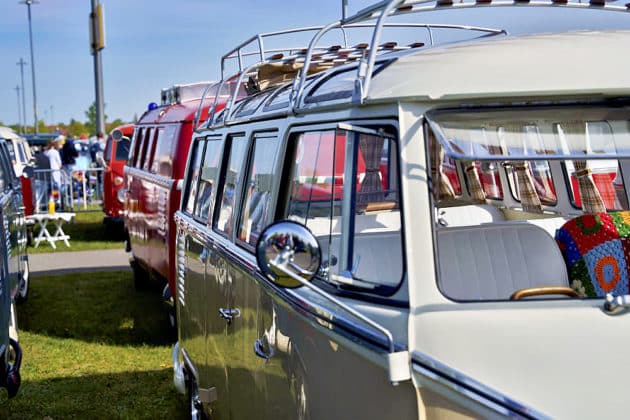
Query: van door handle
x=260, y=352
x=229, y=313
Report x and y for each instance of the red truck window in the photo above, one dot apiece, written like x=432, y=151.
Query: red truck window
x=137, y=143
x=149, y=148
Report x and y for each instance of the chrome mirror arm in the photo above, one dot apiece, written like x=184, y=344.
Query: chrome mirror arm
x=398, y=362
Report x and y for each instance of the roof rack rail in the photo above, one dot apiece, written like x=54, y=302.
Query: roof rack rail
x=277, y=66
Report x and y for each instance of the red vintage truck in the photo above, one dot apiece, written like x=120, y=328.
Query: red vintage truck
x=156, y=165
x=115, y=157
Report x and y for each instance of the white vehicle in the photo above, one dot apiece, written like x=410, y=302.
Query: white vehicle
x=21, y=155
x=383, y=231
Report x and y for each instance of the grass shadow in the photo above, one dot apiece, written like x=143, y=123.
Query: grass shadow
x=127, y=395
x=100, y=307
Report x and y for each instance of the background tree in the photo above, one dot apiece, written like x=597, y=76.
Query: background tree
x=90, y=114
x=77, y=128
x=116, y=123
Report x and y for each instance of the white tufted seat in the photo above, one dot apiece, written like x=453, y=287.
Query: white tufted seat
x=492, y=261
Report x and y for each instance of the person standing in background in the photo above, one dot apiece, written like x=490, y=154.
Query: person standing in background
x=54, y=158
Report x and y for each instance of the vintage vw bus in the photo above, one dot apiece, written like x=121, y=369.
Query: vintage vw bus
x=115, y=157
x=412, y=231
x=14, y=268
x=156, y=165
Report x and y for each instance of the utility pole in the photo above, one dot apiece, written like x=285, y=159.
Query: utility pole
x=22, y=63
x=30, y=35
x=17, y=90
x=344, y=9
x=97, y=43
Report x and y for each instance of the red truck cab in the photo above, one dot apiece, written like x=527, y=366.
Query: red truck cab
x=156, y=165
x=115, y=157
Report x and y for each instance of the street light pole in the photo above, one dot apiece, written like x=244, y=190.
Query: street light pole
x=17, y=90
x=30, y=34
x=22, y=63
x=97, y=38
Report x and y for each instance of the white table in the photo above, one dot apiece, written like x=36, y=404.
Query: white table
x=57, y=219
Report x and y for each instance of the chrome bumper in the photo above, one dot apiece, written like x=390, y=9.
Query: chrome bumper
x=178, y=371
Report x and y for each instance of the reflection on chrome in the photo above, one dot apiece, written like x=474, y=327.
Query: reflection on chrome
x=291, y=246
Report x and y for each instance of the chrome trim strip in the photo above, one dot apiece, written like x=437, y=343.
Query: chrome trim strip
x=159, y=180
x=189, y=364
x=470, y=388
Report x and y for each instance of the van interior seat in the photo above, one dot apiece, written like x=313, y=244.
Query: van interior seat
x=473, y=214
x=492, y=261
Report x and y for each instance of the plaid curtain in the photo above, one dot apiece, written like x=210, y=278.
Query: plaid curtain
x=575, y=135
x=371, y=189
x=445, y=188
x=591, y=199
x=474, y=184
x=526, y=189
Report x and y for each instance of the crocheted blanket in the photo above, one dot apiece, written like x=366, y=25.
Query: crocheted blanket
x=596, y=248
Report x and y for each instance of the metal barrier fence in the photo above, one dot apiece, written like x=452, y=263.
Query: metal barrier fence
x=75, y=190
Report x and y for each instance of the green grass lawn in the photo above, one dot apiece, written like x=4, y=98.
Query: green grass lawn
x=94, y=348
x=87, y=232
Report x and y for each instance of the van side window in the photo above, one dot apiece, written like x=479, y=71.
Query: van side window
x=135, y=152
x=162, y=157
x=373, y=254
x=540, y=173
x=256, y=211
x=232, y=178
x=149, y=148
x=191, y=189
x=603, y=177
x=122, y=149
x=208, y=177
x=142, y=148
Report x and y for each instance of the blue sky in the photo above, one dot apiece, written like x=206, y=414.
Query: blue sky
x=151, y=44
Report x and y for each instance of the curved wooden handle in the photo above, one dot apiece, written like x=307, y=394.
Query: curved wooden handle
x=544, y=290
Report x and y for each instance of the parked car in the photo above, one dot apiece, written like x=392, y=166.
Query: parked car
x=391, y=231
x=115, y=157
x=14, y=267
x=154, y=170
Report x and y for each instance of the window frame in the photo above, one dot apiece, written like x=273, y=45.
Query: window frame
x=377, y=292
x=220, y=154
x=250, y=157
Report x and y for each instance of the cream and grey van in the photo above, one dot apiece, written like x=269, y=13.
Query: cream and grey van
x=388, y=230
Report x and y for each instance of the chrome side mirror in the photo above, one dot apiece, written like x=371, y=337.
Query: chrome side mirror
x=117, y=135
x=288, y=254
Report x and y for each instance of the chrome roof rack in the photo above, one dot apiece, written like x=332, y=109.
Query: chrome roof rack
x=281, y=65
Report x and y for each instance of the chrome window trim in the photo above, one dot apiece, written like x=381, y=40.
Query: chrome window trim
x=159, y=180
x=425, y=365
